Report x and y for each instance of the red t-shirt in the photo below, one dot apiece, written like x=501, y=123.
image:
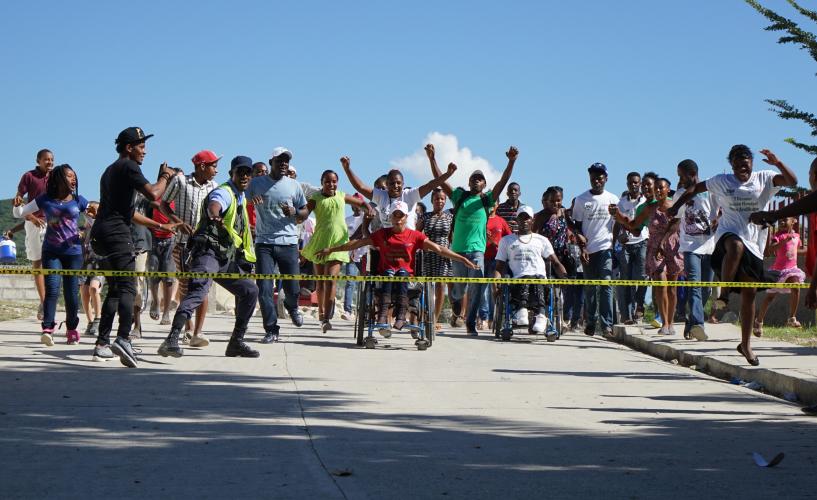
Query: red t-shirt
x=397, y=249
x=32, y=183
x=161, y=219
x=251, y=214
x=811, y=249
x=497, y=228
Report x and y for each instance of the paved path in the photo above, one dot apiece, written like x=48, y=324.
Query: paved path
x=315, y=417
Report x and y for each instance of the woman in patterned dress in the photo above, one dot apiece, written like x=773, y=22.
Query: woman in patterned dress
x=437, y=226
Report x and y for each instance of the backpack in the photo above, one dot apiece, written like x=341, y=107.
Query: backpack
x=460, y=202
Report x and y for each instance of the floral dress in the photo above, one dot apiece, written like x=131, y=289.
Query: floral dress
x=670, y=258
x=437, y=227
x=555, y=230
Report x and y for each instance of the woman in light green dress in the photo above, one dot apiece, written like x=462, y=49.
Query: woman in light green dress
x=329, y=205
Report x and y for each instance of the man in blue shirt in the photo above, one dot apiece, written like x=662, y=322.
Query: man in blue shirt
x=278, y=200
x=221, y=244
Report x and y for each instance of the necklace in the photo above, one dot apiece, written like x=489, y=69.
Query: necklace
x=526, y=242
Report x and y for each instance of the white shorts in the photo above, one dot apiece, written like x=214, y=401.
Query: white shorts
x=141, y=266
x=34, y=241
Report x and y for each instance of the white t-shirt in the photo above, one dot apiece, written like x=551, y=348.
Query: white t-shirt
x=738, y=200
x=352, y=223
x=525, y=255
x=597, y=224
x=410, y=196
x=696, y=223
x=627, y=208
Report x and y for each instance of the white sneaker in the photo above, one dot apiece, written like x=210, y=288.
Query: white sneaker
x=345, y=316
x=199, y=340
x=520, y=317
x=540, y=324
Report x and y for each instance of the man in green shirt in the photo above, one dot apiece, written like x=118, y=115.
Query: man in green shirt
x=471, y=208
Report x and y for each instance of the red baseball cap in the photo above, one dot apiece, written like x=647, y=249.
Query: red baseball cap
x=205, y=156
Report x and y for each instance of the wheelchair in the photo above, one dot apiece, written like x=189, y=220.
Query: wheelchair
x=419, y=317
x=503, y=315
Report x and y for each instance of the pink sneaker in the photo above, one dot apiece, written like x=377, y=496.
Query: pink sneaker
x=72, y=336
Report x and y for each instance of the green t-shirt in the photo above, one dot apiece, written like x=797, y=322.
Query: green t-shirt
x=470, y=222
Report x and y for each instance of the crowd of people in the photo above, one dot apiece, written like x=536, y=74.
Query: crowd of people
x=264, y=220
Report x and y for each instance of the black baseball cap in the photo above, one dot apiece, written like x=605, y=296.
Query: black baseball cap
x=598, y=167
x=477, y=173
x=132, y=135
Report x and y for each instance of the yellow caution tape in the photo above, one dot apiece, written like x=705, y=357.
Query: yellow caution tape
x=381, y=279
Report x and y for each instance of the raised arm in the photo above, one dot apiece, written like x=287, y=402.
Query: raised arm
x=357, y=202
x=157, y=189
x=349, y=245
x=634, y=226
x=499, y=187
x=786, y=177
x=698, y=188
x=437, y=181
x=435, y=170
x=358, y=184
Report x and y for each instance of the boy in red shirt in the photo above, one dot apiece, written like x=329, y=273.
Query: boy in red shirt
x=397, y=246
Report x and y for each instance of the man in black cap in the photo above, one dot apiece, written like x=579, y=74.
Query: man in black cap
x=111, y=238
x=222, y=243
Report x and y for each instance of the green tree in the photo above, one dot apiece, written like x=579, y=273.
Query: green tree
x=806, y=40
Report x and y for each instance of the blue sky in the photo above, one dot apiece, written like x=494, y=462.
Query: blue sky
x=638, y=85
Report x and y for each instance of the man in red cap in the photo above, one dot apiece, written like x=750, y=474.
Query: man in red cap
x=186, y=193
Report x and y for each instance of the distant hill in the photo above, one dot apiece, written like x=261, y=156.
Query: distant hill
x=7, y=221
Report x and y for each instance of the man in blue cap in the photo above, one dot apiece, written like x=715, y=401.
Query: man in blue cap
x=222, y=243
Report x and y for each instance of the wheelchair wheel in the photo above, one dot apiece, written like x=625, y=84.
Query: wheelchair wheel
x=362, y=316
x=429, y=322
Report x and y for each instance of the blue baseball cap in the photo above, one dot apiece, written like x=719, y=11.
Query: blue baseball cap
x=597, y=167
x=241, y=162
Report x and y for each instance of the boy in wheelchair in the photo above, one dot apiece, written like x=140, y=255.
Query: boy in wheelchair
x=396, y=246
x=524, y=255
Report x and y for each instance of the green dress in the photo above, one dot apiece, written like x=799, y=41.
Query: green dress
x=330, y=228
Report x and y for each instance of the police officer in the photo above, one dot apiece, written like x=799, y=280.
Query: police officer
x=222, y=243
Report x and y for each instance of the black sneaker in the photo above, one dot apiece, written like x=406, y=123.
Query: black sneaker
x=270, y=338
x=810, y=410
x=239, y=349
x=124, y=350
x=297, y=318
x=170, y=346
x=589, y=330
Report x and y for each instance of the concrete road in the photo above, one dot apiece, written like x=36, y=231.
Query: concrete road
x=316, y=417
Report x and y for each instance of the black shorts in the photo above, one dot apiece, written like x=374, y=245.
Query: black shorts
x=750, y=266
x=161, y=257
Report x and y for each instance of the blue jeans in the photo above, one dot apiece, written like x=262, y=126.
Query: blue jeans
x=475, y=290
x=350, y=269
x=395, y=289
x=486, y=308
x=698, y=268
x=631, y=260
x=70, y=289
x=600, y=267
x=271, y=259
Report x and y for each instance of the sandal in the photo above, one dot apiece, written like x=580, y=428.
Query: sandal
x=757, y=329
x=792, y=322
x=752, y=361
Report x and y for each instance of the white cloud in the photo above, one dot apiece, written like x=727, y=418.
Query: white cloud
x=447, y=150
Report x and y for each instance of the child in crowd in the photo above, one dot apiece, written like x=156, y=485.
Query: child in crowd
x=62, y=246
x=785, y=245
x=397, y=245
x=330, y=230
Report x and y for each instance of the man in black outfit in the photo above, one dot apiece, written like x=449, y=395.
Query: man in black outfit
x=111, y=238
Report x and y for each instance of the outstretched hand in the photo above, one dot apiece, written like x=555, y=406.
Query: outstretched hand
x=471, y=264
x=771, y=158
x=763, y=218
x=512, y=153
x=323, y=253
x=430, y=150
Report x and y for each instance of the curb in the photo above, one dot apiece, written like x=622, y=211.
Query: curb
x=773, y=382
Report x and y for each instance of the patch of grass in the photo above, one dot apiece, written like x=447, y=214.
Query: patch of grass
x=800, y=336
x=15, y=310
